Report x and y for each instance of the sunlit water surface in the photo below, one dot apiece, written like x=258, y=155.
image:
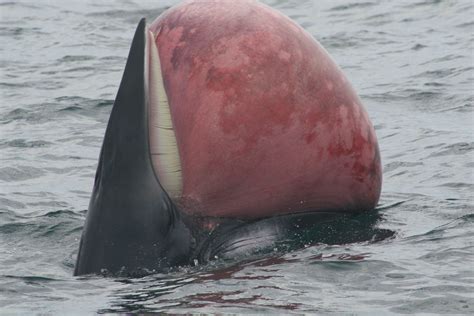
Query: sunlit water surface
x=410, y=61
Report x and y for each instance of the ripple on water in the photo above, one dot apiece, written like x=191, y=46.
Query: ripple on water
x=23, y=143
x=454, y=149
x=20, y=173
x=359, y=5
x=61, y=108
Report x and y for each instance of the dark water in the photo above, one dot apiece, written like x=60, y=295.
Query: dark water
x=412, y=63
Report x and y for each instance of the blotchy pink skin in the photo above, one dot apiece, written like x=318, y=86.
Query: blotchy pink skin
x=266, y=122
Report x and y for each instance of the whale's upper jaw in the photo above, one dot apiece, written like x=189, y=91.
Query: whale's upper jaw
x=131, y=222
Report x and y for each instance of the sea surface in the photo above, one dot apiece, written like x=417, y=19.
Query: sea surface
x=411, y=62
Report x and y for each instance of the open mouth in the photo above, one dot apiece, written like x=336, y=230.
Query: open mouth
x=162, y=138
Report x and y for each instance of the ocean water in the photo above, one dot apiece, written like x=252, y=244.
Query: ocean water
x=411, y=62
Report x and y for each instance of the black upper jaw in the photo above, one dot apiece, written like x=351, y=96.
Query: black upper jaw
x=131, y=222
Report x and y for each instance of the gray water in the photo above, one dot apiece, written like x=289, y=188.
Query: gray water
x=412, y=64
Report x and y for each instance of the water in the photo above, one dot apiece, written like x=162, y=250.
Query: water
x=412, y=63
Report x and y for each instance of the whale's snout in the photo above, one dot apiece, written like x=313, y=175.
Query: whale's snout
x=131, y=220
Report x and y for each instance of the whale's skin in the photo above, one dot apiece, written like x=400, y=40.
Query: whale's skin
x=266, y=122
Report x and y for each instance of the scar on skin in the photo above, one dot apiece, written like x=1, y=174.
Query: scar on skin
x=285, y=56
x=329, y=85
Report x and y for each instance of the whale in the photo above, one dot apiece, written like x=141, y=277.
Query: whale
x=232, y=130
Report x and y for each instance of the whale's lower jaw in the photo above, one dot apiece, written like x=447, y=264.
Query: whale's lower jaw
x=266, y=123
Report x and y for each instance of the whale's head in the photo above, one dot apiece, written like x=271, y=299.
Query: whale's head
x=226, y=109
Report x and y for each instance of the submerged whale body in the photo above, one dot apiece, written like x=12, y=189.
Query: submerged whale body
x=232, y=127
